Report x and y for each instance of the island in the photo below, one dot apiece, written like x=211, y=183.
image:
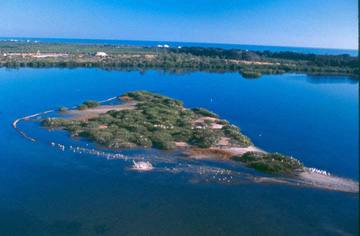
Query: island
x=149, y=120
x=250, y=64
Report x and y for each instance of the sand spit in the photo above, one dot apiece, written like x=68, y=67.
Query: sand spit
x=239, y=151
x=96, y=111
x=107, y=100
x=331, y=182
x=307, y=178
x=26, y=118
x=45, y=112
x=314, y=180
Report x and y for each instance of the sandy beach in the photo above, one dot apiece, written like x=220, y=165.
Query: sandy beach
x=96, y=111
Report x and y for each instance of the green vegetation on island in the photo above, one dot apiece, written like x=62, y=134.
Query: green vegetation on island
x=251, y=74
x=270, y=162
x=88, y=104
x=158, y=121
x=251, y=64
x=91, y=104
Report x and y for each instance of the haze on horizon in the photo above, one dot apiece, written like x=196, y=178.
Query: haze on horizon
x=307, y=23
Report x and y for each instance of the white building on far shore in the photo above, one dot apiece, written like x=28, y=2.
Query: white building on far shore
x=101, y=54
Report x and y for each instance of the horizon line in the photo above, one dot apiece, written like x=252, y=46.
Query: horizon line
x=354, y=49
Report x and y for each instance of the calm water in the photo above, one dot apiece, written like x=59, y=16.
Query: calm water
x=329, y=51
x=45, y=191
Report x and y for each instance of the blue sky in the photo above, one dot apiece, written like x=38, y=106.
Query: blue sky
x=301, y=23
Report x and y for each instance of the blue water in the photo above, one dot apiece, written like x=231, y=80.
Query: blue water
x=45, y=191
x=329, y=51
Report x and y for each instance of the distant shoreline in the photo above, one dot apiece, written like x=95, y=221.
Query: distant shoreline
x=315, y=50
x=250, y=64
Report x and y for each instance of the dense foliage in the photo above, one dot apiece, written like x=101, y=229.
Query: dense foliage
x=248, y=63
x=157, y=121
x=82, y=107
x=88, y=104
x=270, y=162
x=251, y=74
x=91, y=104
x=204, y=112
x=237, y=54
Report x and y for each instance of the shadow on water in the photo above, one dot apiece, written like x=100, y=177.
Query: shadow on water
x=332, y=79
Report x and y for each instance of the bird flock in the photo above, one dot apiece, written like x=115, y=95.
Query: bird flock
x=81, y=150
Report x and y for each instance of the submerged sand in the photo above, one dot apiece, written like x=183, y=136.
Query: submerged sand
x=305, y=178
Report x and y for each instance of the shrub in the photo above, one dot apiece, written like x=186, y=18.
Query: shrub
x=205, y=138
x=53, y=122
x=91, y=104
x=208, y=122
x=240, y=140
x=251, y=74
x=142, y=140
x=102, y=137
x=270, y=163
x=139, y=95
x=82, y=107
x=222, y=122
x=143, y=95
x=183, y=135
x=120, y=143
x=204, y=112
x=163, y=140
x=236, y=138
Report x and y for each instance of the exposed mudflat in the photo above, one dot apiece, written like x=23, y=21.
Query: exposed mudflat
x=238, y=151
x=96, y=111
x=330, y=182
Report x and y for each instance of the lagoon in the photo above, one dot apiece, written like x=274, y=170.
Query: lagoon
x=312, y=118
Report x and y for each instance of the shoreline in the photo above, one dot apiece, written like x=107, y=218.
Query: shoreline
x=25, y=118
x=302, y=179
x=14, y=124
x=62, y=55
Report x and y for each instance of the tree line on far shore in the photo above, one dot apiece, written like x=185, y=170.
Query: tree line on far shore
x=249, y=63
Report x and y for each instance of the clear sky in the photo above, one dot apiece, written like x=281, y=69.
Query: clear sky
x=301, y=23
